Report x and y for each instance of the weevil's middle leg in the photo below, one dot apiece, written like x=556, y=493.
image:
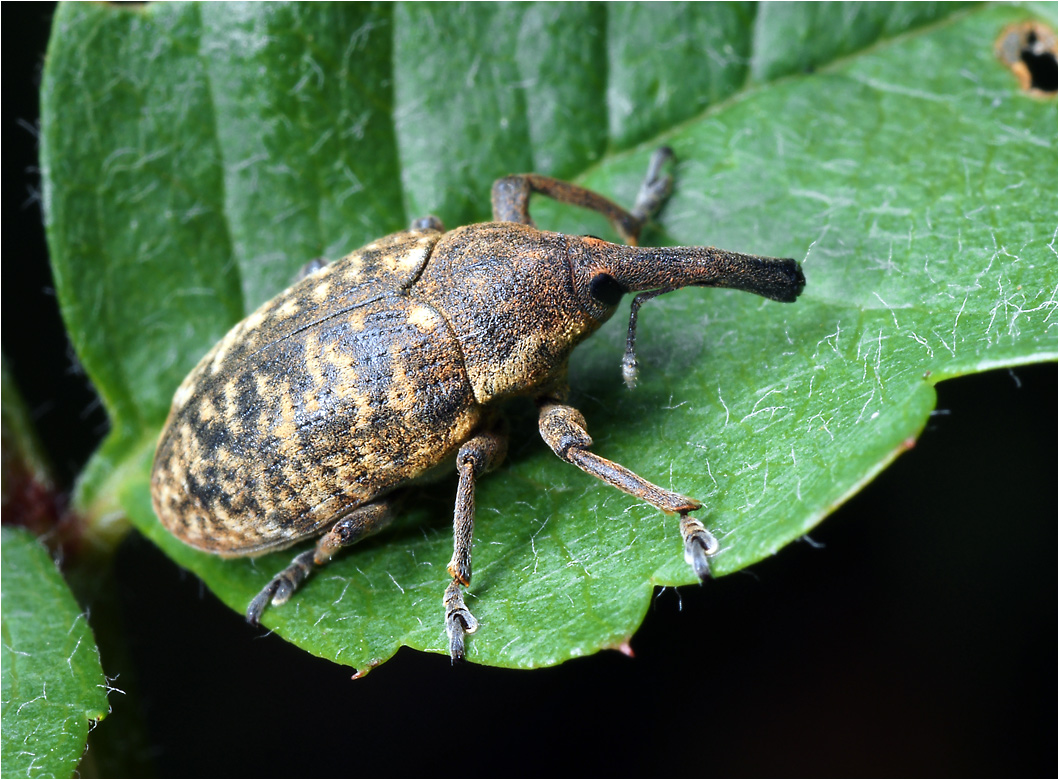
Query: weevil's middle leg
x=512, y=193
x=361, y=522
x=477, y=456
x=563, y=429
x=429, y=222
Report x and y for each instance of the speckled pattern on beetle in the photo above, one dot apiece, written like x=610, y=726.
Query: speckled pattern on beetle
x=312, y=416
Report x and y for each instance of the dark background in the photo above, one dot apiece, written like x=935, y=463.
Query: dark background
x=912, y=636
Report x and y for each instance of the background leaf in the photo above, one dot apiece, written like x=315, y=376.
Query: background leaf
x=237, y=142
x=53, y=685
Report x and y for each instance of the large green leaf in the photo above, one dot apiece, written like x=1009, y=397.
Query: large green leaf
x=53, y=685
x=195, y=156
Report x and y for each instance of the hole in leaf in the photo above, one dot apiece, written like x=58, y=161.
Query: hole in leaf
x=1028, y=49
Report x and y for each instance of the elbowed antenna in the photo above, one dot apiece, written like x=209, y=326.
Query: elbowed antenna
x=656, y=271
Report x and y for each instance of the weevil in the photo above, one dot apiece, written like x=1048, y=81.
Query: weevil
x=313, y=416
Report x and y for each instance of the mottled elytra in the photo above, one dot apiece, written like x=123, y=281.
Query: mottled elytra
x=313, y=415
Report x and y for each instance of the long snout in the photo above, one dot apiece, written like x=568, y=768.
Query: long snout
x=648, y=268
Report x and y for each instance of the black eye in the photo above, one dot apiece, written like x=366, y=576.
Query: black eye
x=606, y=289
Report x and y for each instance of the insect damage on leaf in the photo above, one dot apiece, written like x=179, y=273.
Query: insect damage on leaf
x=1029, y=50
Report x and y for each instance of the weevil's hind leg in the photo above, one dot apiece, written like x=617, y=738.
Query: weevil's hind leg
x=478, y=455
x=361, y=522
x=563, y=429
x=512, y=193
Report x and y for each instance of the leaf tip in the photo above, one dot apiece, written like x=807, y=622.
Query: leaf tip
x=624, y=648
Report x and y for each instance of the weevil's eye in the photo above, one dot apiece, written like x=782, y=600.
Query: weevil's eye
x=606, y=289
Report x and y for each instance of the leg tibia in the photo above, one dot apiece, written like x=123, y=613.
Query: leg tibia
x=563, y=429
x=477, y=456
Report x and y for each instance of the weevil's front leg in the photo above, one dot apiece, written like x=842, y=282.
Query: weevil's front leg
x=512, y=193
x=477, y=456
x=563, y=429
x=361, y=522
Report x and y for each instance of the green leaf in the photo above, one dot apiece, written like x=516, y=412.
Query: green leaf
x=53, y=684
x=195, y=156
x=23, y=456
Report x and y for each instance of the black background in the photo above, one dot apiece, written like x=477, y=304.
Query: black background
x=913, y=636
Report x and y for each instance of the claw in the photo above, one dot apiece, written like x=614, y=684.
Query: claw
x=630, y=369
x=458, y=621
x=281, y=587
x=261, y=600
x=699, y=546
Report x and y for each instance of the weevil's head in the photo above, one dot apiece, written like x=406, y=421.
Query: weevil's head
x=602, y=272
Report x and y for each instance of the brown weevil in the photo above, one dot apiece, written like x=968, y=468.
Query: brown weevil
x=313, y=415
